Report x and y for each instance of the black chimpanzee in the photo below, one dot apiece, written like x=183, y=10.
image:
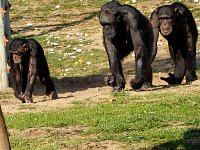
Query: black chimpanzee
x=176, y=24
x=125, y=29
x=27, y=61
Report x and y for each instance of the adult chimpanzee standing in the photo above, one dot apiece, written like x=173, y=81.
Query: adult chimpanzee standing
x=125, y=29
x=176, y=24
x=27, y=61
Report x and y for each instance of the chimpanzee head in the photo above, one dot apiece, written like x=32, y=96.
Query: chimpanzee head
x=18, y=51
x=109, y=18
x=166, y=17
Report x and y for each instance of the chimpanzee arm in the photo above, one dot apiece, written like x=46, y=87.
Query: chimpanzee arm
x=142, y=57
x=191, y=57
x=32, y=75
x=15, y=78
x=115, y=65
x=155, y=26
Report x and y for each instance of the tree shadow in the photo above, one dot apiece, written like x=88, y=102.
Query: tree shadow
x=190, y=141
x=72, y=84
x=57, y=27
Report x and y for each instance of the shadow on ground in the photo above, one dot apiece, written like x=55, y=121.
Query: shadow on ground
x=190, y=141
x=56, y=27
x=72, y=84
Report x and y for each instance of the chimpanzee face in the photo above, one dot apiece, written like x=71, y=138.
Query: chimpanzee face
x=109, y=21
x=18, y=53
x=17, y=58
x=166, y=18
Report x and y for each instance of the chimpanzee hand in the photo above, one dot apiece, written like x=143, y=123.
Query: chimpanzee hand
x=172, y=80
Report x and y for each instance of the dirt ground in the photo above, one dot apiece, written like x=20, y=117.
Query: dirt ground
x=90, y=89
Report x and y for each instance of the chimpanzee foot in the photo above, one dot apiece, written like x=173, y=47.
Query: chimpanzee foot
x=189, y=82
x=109, y=81
x=146, y=85
x=27, y=97
x=117, y=89
x=28, y=100
x=54, y=95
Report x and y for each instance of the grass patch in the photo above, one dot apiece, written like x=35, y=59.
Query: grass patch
x=152, y=119
x=5, y=95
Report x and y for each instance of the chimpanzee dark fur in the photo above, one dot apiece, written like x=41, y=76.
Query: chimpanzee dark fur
x=27, y=61
x=125, y=29
x=177, y=25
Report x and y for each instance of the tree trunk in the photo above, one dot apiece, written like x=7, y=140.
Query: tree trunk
x=4, y=140
x=3, y=61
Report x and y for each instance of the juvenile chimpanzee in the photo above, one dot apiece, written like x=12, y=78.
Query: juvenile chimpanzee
x=176, y=24
x=125, y=29
x=28, y=61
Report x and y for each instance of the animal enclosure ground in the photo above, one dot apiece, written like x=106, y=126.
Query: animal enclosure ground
x=48, y=21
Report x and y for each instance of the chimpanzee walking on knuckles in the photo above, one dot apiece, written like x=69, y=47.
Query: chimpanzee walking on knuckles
x=125, y=29
x=27, y=61
x=177, y=25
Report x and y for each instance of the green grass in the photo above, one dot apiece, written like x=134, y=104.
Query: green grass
x=74, y=60
x=152, y=119
x=4, y=95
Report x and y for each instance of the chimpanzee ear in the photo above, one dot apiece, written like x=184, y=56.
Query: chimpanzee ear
x=156, y=11
x=178, y=11
x=25, y=47
x=154, y=18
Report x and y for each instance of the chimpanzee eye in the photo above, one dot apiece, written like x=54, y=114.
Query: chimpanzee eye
x=169, y=20
x=160, y=20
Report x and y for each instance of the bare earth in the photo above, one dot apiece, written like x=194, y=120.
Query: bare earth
x=91, y=89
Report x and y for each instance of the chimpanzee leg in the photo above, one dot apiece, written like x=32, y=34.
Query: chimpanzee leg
x=15, y=77
x=138, y=81
x=179, y=70
x=32, y=75
x=24, y=78
x=152, y=53
x=142, y=60
x=44, y=76
x=115, y=66
x=180, y=67
x=172, y=52
x=191, y=62
x=50, y=88
x=191, y=67
x=148, y=76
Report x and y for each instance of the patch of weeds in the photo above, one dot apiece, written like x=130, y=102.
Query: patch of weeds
x=79, y=103
x=144, y=120
x=5, y=95
x=30, y=107
x=20, y=143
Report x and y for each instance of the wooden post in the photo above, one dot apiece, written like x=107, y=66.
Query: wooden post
x=7, y=26
x=4, y=140
x=3, y=59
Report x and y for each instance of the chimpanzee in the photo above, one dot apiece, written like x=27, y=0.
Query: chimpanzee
x=125, y=29
x=176, y=24
x=27, y=61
